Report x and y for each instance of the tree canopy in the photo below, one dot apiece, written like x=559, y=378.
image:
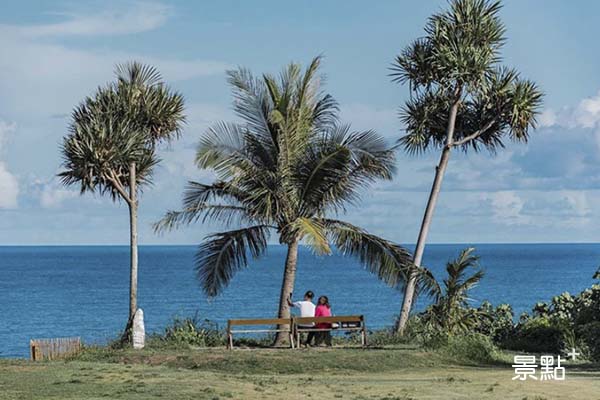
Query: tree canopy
x=120, y=125
x=288, y=167
x=458, y=61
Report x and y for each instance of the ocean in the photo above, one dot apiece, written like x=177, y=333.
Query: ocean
x=54, y=291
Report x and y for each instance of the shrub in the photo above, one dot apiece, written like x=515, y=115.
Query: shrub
x=420, y=331
x=475, y=348
x=590, y=336
x=588, y=306
x=499, y=326
x=537, y=335
x=563, y=307
x=189, y=332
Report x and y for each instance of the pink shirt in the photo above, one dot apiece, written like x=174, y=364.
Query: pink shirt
x=322, y=311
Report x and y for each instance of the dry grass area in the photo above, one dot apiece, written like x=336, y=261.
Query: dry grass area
x=390, y=374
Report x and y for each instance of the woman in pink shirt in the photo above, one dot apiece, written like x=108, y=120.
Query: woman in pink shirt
x=323, y=310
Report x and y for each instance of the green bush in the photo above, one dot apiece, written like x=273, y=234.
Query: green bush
x=475, y=348
x=566, y=322
x=588, y=306
x=537, y=335
x=499, y=326
x=590, y=336
x=185, y=332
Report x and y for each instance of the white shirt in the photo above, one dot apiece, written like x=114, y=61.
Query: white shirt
x=307, y=308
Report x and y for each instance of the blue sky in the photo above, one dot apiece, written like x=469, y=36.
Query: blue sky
x=55, y=53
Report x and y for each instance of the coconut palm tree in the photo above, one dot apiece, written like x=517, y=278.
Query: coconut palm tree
x=287, y=168
x=451, y=312
x=111, y=145
x=461, y=98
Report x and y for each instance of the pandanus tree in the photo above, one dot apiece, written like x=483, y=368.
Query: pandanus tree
x=286, y=168
x=451, y=312
x=111, y=147
x=460, y=98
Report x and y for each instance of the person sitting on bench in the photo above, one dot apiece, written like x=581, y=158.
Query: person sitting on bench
x=323, y=309
x=307, y=309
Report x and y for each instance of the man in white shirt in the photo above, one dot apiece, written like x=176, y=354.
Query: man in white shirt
x=307, y=309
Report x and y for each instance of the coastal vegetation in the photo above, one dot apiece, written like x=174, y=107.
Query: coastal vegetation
x=111, y=148
x=289, y=167
x=461, y=98
x=451, y=325
x=450, y=313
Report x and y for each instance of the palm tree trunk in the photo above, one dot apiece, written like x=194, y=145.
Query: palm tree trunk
x=133, y=242
x=440, y=170
x=287, y=287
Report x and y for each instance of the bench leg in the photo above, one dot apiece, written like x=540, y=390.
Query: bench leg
x=230, y=341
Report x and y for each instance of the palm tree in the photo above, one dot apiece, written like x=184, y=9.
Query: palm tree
x=111, y=145
x=451, y=312
x=285, y=168
x=461, y=98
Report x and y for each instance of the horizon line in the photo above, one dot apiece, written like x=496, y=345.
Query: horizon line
x=273, y=244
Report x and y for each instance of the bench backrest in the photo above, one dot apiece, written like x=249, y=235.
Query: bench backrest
x=336, y=319
x=265, y=321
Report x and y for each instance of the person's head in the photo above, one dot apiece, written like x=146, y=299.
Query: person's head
x=308, y=296
x=324, y=301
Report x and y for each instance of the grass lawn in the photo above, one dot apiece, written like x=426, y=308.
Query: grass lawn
x=340, y=373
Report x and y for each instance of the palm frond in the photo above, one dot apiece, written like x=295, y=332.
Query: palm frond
x=223, y=254
x=225, y=214
x=390, y=262
x=221, y=146
x=199, y=205
x=339, y=166
x=313, y=233
x=252, y=104
x=136, y=73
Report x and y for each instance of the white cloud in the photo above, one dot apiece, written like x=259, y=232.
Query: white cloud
x=45, y=76
x=506, y=208
x=134, y=18
x=547, y=118
x=9, y=186
x=578, y=203
x=53, y=195
x=587, y=113
x=49, y=79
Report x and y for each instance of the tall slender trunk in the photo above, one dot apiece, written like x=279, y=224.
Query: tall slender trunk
x=287, y=287
x=440, y=170
x=133, y=240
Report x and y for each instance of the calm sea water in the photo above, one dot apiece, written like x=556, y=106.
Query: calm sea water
x=83, y=291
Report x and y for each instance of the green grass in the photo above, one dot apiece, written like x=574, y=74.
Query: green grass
x=399, y=372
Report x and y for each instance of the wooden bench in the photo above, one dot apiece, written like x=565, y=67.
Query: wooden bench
x=348, y=323
x=277, y=322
